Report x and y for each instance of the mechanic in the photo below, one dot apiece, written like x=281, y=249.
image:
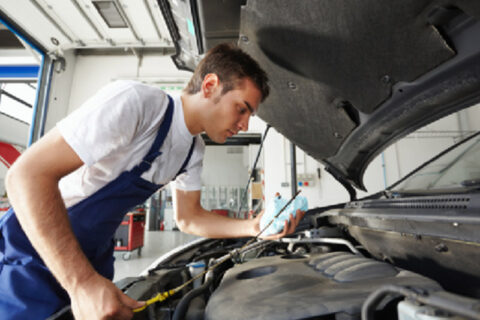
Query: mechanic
x=71, y=189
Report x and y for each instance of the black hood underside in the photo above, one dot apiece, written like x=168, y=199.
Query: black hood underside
x=348, y=77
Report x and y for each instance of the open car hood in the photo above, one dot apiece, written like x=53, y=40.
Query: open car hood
x=347, y=78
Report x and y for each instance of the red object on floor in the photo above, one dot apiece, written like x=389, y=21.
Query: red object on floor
x=221, y=212
x=8, y=154
x=130, y=234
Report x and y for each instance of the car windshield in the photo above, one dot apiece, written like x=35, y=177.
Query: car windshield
x=458, y=168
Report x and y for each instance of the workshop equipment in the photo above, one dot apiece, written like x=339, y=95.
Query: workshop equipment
x=130, y=234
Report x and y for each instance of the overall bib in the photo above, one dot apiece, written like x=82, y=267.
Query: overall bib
x=27, y=288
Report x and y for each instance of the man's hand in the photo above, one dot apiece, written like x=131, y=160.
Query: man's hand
x=289, y=227
x=98, y=298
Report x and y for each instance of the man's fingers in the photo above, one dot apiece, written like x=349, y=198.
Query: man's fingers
x=299, y=217
x=289, y=226
x=286, y=228
x=292, y=224
x=129, y=302
x=126, y=312
x=294, y=221
x=284, y=231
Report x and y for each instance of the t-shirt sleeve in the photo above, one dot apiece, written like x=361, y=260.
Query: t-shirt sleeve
x=110, y=119
x=191, y=180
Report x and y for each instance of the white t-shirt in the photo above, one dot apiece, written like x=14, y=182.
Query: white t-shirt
x=114, y=130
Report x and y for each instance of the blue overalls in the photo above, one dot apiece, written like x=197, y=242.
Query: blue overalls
x=27, y=288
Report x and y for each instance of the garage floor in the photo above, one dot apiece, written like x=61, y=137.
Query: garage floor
x=156, y=243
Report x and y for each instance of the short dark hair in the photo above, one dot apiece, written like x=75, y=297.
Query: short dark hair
x=231, y=65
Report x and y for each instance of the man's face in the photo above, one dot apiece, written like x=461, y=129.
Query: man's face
x=231, y=111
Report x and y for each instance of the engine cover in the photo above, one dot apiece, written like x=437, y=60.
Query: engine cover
x=292, y=287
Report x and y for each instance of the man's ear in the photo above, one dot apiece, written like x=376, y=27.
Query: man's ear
x=210, y=85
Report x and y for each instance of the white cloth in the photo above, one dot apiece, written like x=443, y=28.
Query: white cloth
x=114, y=130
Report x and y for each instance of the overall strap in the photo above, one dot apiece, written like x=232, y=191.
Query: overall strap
x=190, y=152
x=157, y=144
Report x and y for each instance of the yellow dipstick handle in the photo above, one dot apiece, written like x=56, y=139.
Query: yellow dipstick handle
x=158, y=298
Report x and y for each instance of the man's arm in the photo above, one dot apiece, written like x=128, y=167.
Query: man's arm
x=32, y=185
x=192, y=218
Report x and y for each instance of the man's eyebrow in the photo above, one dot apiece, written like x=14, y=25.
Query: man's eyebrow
x=250, y=107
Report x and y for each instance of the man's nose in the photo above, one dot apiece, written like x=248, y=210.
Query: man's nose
x=243, y=123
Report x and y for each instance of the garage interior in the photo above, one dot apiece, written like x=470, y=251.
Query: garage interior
x=54, y=55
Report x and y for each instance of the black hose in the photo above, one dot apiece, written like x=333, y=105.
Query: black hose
x=182, y=306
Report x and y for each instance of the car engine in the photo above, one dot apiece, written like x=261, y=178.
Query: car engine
x=318, y=274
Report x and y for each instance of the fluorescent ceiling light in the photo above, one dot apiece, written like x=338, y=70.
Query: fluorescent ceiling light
x=110, y=13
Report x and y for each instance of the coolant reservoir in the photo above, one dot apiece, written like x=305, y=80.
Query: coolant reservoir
x=195, y=269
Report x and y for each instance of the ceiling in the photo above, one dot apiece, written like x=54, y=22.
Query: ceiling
x=59, y=25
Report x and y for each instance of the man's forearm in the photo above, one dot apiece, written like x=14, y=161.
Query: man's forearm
x=211, y=225
x=193, y=218
x=43, y=217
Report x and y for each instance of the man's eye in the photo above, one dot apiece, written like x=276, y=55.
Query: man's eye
x=242, y=110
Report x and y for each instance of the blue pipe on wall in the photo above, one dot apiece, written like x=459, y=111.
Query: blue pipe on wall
x=19, y=71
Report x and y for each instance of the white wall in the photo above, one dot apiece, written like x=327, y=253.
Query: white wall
x=325, y=190
x=60, y=90
x=223, y=168
x=227, y=168
x=93, y=72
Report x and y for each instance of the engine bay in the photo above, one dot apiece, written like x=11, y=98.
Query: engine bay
x=319, y=273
